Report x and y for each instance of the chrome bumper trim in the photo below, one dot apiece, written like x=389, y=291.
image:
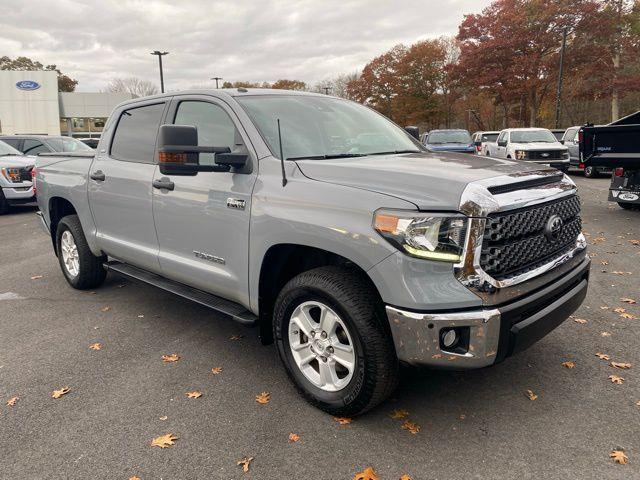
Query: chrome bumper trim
x=417, y=337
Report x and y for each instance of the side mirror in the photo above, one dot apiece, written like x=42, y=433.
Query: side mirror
x=179, y=152
x=413, y=131
x=502, y=143
x=562, y=142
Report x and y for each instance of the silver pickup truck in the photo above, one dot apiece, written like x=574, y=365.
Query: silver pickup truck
x=328, y=227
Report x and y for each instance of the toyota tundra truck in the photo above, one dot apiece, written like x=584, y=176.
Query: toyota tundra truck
x=326, y=226
x=16, y=172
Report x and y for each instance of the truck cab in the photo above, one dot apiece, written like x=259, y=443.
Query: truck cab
x=535, y=145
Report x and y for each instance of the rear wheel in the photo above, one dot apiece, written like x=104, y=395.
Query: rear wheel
x=330, y=334
x=590, y=172
x=82, y=269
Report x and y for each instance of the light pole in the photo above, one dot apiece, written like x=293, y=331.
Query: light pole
x=560, y=73
x=216, y=79
x=160, y=54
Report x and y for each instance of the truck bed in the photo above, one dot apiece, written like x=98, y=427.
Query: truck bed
x=614, y=145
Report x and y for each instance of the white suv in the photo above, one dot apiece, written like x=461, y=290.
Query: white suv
x=537, y=145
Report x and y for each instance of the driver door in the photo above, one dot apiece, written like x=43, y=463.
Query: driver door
x=501, y=151
x=203, y=221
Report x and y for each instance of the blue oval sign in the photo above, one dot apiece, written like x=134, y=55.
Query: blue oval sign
x=27, y=85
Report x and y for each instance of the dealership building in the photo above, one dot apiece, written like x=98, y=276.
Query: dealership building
x=31, y=104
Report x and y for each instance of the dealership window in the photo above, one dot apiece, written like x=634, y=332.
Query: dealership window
x=135, y=137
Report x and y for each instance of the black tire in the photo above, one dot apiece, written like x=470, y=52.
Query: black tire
x=629, y=206
x=4, y=205
x=91, y=272
x=352, y=298
x=591, y=172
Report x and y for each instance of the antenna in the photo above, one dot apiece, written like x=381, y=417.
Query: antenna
x=284, y=175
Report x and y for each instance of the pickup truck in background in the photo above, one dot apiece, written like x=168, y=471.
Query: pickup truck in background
x=16, y=182
x=571, y=140
x=485, y=142
x=535, y=145
x=326, y=226
x=616, y=146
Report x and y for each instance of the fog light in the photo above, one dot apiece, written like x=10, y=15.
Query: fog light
x=449, y=338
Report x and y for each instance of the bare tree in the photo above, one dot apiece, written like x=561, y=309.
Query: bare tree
x=133, y=85
x=337, y=86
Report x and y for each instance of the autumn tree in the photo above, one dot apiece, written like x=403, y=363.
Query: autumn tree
x=132, y=85
x=285, y=84
x=65, y=83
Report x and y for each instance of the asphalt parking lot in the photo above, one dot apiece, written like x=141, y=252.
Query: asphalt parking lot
x=477, y=424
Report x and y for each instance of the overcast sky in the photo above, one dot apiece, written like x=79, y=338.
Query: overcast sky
x=249, y=40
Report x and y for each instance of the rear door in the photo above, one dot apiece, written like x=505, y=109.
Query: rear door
x=203, y=223
x=120, y=186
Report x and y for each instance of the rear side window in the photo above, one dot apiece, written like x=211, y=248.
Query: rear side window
x=14, y=142
x=135, y=137
x=33, y=147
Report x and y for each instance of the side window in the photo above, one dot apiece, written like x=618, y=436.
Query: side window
x=14, y=142
x=215, y=128
x=502, y=137
x=576, y=138
x=135, y=137
x=33, y=147
x=569, y=135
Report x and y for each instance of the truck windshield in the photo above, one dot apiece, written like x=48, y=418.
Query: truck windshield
x=456, y=136
x=68, y=144
x=528, y=136
x=6, y=149
x=319, y=127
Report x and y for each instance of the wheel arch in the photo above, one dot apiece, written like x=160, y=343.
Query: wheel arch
x=59, y=208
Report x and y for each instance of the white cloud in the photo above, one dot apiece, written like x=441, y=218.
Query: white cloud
x=251, y=40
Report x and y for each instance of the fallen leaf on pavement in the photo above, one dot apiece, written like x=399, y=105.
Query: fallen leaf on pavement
x=399, y=414
x=627, y=315
x=604, y=262
x=245, y=463
x=216, y=370
x=581, y=321
x=405, y=477
x=343, y=420
x=12, y=401
x=603, y=356
x=617, y=272
x=105, y=309
x=164, y=441
x=619, y=310
x=236, y=337
x=95, y=346
x=163, y=418
x=135, y=478
x=173, y=357
x=294, y=437
x=616, y=379
x=634, y=242
x=630, y=301
x=532, y=396
x=569, y=364
x=367, y=474
x=412, y=427
x=622, y=366
x=619, y=457
x=61, y=392
x=263, y=398
x=638, y=403
x=37, y=277
x=605, y=334
x=194, y=394
x=604, y=307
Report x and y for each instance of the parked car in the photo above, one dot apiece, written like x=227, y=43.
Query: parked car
x=449, y=141
x=535, y=145
x=484, y=141
x=351, y=259
x=16, y=186
x=616, y=146
x=570, y=139
x=91, y=142
x=35, y=144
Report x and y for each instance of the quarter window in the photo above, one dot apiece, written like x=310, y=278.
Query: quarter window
x=502, y=137
x=215, y=128
x=135, y=137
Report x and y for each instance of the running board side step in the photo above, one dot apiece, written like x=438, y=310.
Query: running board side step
x=226, y=307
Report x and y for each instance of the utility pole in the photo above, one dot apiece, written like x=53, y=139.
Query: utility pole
x=326, y=90
x=560, y=74
x=216, y=79
x=160, y=54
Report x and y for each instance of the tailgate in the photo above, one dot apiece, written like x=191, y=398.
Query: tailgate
x=611, y=146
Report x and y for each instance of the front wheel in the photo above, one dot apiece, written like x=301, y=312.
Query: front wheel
x=82, y=269
x=330, y=332
x=629, y=206
x=590, y=172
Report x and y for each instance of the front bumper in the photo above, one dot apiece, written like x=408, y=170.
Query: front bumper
x=491, y=334
x=19, y=194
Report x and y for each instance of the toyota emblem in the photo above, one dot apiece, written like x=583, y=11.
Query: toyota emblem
x=553, y=228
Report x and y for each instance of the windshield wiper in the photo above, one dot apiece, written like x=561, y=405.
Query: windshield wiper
x=328, y=157
x=395, y=152
x=11, y=155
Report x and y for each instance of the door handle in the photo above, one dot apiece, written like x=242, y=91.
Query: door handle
x=98, y=175
x=163, y=183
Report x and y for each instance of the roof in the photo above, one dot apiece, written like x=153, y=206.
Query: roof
x=528, y=129
x=39, y=137
x=449, y=130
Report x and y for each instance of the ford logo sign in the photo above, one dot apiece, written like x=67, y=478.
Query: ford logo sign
x=27, y=85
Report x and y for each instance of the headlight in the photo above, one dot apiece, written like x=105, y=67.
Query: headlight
x=521, y=154
x=12, y=174
x=430, y=236
x=565, y=155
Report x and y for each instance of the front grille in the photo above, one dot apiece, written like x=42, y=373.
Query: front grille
x=516, y=242
x=545, y=155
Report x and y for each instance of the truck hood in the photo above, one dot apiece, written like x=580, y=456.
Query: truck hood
x=448, y=147
x=16, y=161
x=431, y=181
x=539, y=146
